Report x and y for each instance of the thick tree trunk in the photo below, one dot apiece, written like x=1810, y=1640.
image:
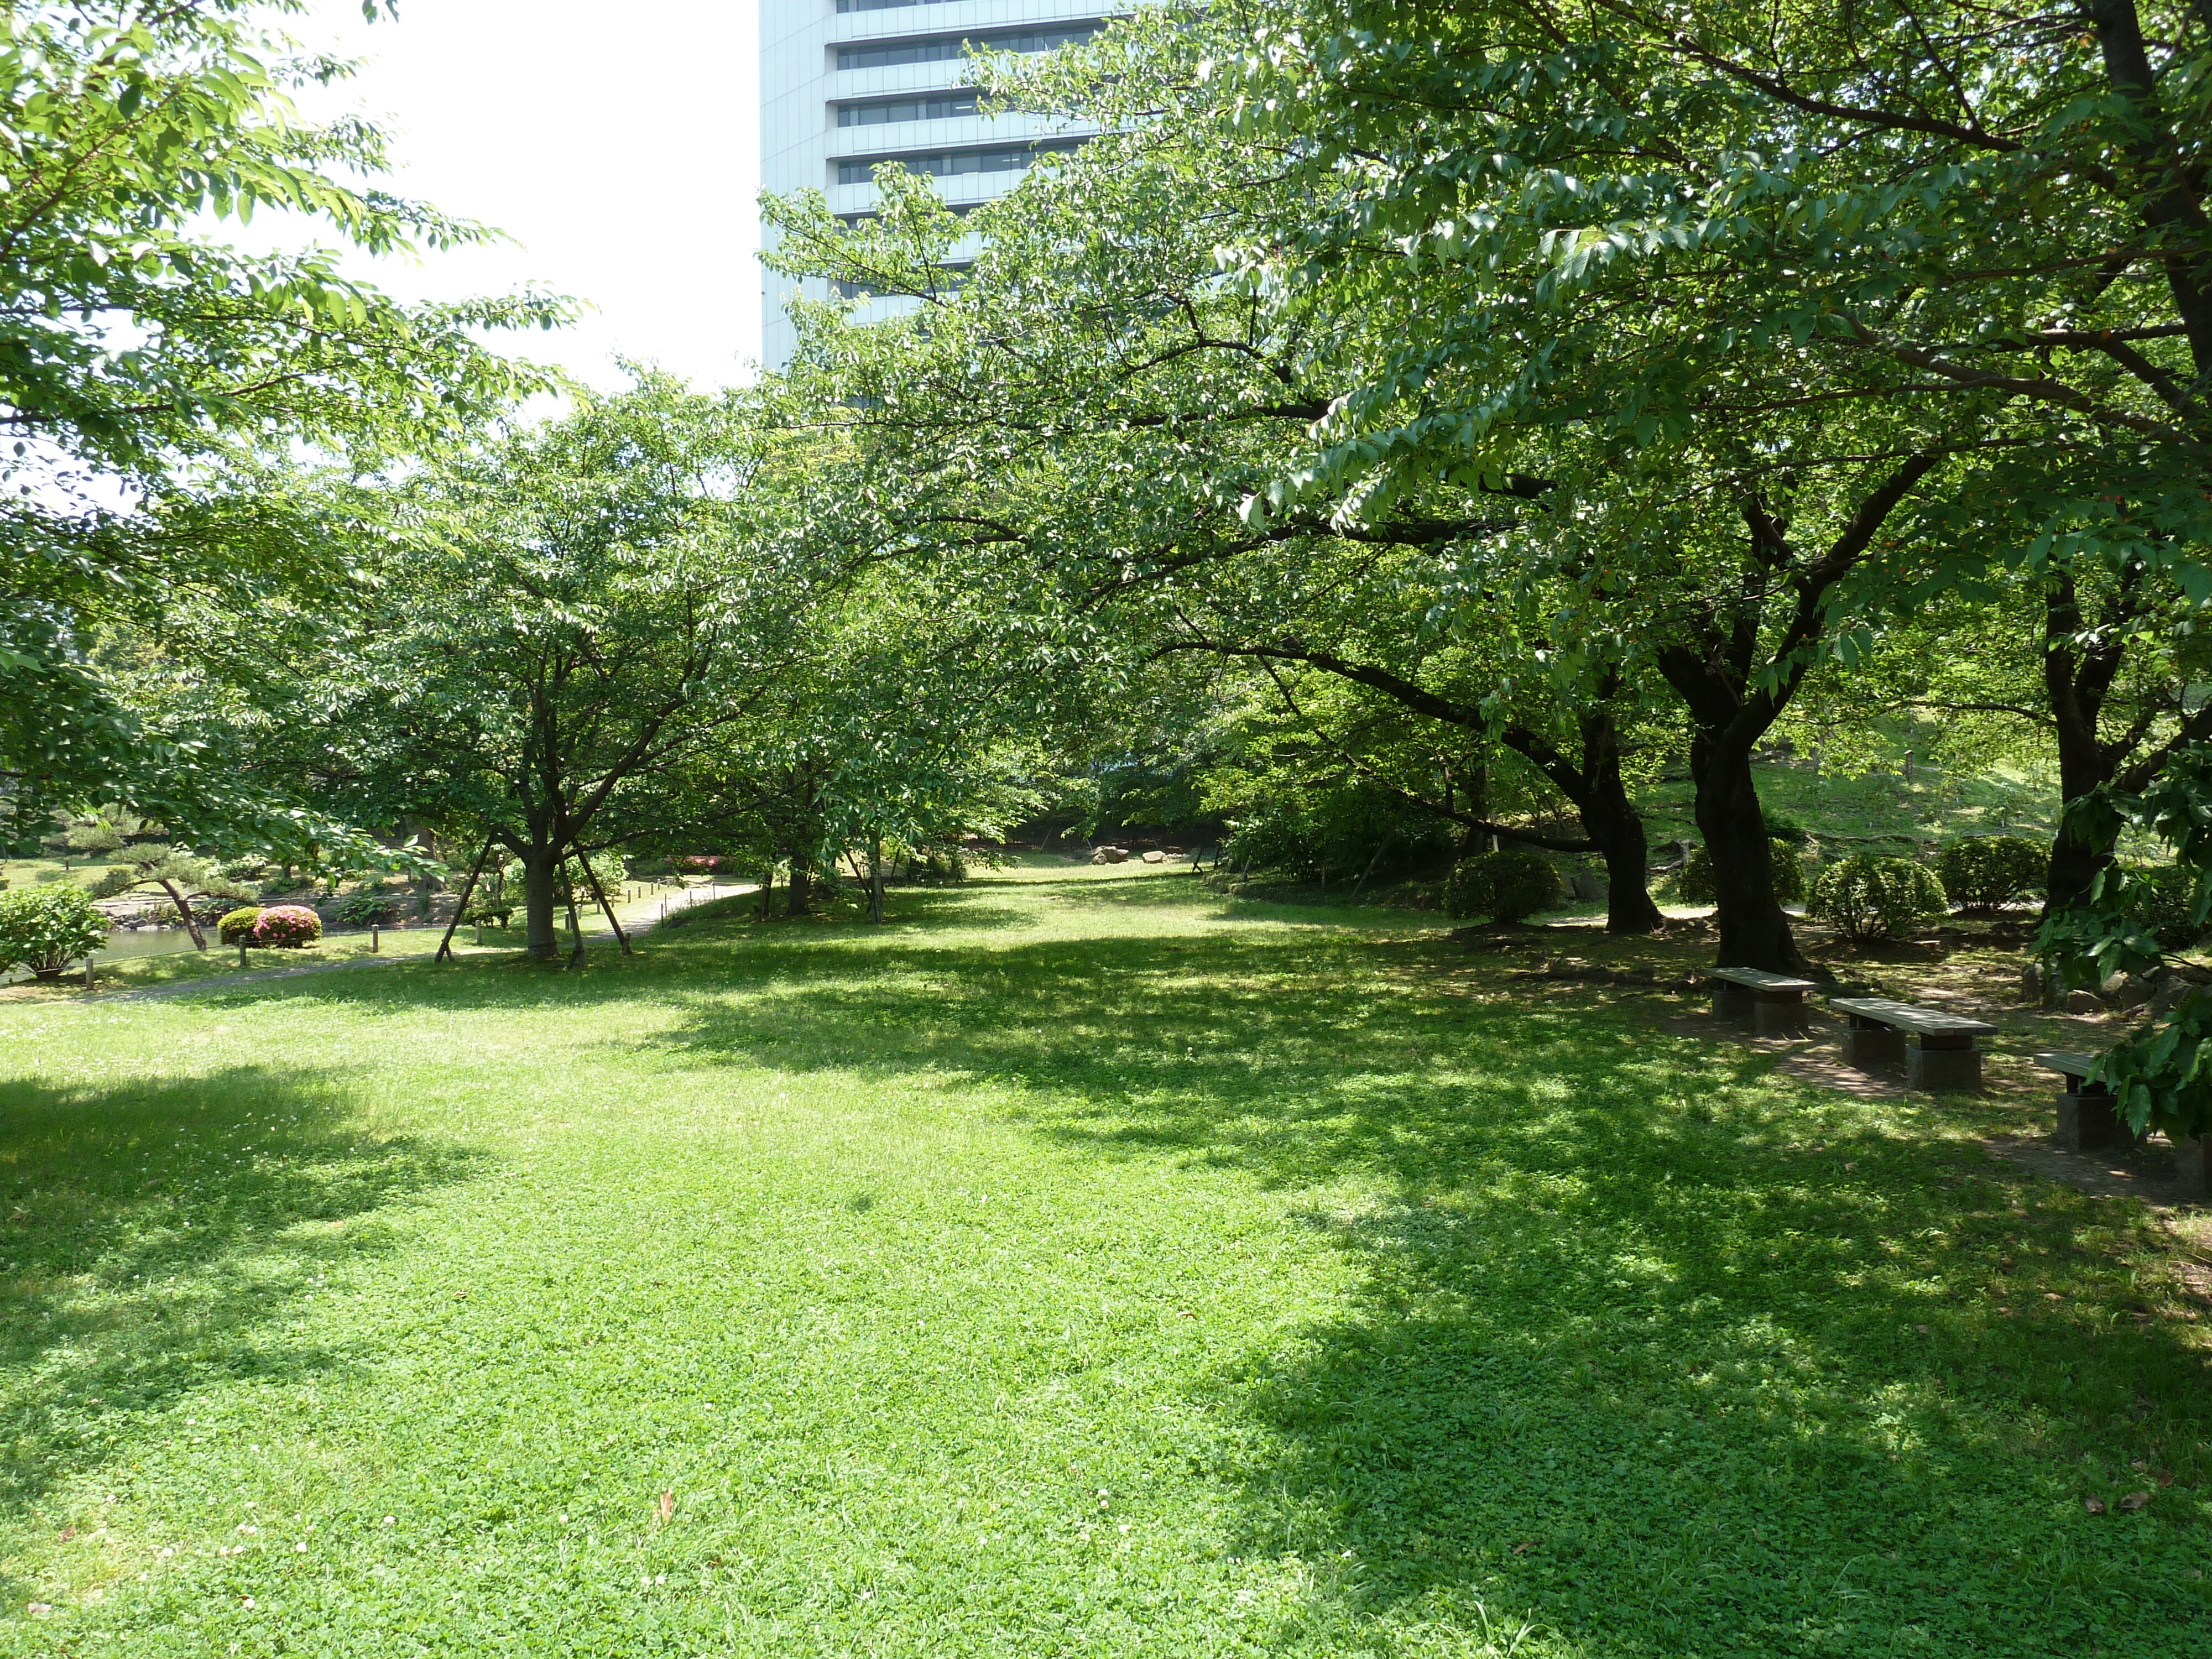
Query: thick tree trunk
x=2077, y=680
x=1610, y=819
x=876, y=877
x=799, y=887
x=2075, y=862
x=541, y=894
x=1754, y=929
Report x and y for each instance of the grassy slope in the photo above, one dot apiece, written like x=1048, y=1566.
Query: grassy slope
x=1079, y=1264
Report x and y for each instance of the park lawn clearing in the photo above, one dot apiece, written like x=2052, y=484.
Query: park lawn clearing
x=1083, y=1264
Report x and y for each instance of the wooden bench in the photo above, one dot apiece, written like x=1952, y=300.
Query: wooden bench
x=1944, y=1058
x=1772, y=1004
x=2089, y=1118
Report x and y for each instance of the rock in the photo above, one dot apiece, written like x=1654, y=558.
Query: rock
x=2168, y=995
x=2084, y=1002
x=2113, y=985
x=1109, y=856
x=2137, y=989
x=1587, y=884
x=1156, y=856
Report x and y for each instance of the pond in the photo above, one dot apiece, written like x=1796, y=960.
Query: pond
x=130, y=942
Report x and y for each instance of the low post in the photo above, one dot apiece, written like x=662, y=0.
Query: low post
x=87, y=973
x=241, y=953
x=375, y=938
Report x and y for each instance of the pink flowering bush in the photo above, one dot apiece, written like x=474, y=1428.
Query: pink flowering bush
x=286, y=927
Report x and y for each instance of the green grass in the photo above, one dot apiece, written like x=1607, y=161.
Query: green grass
x=1934, y=806
x=1082, y=1265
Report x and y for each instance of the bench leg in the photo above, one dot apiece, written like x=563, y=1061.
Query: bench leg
x=1732, y=1002
x=1874, y=1048
x=1778, y=1016
x=1944, y=1069
x=2192, y=1160
x=2087, y=1121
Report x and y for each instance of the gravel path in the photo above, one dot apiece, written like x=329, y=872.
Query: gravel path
x=225, y=981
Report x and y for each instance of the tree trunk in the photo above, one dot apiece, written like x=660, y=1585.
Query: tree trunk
x=541, y=882
x=799, y=887
x=185, y=909
x=1610, y=819
x=876, y=877
x=1754, y=930
x=2078, y=681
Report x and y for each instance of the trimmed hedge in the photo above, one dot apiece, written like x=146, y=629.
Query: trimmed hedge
x=1984, y=872
x=286, y=927
x=1503, y=886
x=46, y=928
x=1863, y=896
x=237, y=926
x=1695, y=884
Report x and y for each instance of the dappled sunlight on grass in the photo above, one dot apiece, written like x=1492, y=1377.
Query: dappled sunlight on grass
x=1084, y=1262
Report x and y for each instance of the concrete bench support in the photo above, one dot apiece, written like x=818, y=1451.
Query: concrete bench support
x=2088, y=1114
x=1772, y=1004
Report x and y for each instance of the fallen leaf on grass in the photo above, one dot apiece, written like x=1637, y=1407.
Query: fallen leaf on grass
x=667, y=1505
x=2095, y=1505
x=1517, y=1548
x=2134, y=1501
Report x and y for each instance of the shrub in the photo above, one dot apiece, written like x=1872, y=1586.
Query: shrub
x=1503, y=886
x=1695, y=885
x=286, y=927
x=1863, y=896
x=369, y=910
x=46, y=928
x=1984, y=872
x=2159, y=902
x=237, y=926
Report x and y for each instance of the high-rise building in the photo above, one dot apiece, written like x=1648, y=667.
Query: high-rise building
x=848, y=83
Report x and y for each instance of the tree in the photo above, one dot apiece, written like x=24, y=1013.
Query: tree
x=561, y=632
x=188, y=881
x=132, y=341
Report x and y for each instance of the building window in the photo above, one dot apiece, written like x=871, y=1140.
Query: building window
x=928, y=106
x=881, y=5
x=954, y=163
x=887, y=54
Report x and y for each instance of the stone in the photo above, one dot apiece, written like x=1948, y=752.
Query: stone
x=1874, y=1048
x=1587, y=884
x=2168, y=996
x=1109, y=856
x=2114, y=983
x=2133, y=991
x=2192, y=1169
x=2087, y=1122
x=1156, y=856
x=2084, y=1002
x=1943, y=1070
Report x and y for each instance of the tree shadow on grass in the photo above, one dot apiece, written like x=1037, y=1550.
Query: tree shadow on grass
x=1650, y=1348
x=153, y=1235
x=1645, y=1345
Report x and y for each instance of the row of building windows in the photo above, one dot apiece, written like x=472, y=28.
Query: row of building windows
x=925, y=106
x=846, y=287
x=881, y=5
x=888, y=54
x=954, y=163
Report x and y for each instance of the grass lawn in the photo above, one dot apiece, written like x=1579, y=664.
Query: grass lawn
x=1082, y=1265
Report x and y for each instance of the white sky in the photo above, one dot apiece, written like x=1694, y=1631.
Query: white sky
x=619, y=148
